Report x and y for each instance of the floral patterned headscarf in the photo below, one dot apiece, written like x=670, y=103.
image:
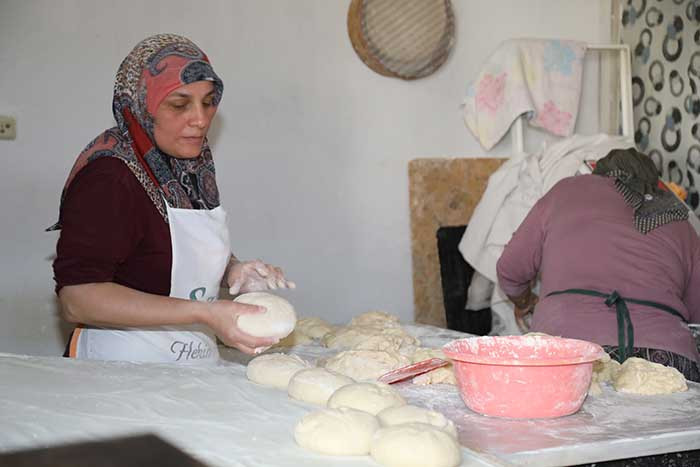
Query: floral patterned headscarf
x=155, y=67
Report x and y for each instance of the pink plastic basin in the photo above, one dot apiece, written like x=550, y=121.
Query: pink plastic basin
x=523, y=376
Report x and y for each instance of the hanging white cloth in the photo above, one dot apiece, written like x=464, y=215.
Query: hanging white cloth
x=510, y=194
x=538, y=78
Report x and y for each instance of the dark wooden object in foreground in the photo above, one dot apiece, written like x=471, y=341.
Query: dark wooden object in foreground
x=133, y=451
x=671, y=459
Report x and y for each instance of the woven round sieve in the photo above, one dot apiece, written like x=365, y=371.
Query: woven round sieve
x=405, y=39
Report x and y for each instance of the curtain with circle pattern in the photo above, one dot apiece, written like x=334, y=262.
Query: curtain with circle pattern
x=664, y=36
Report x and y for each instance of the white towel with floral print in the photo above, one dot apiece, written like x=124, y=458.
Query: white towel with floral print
x=537, y=77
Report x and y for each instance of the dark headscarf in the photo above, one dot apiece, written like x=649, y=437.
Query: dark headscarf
x=154, y=68
x=637, y=180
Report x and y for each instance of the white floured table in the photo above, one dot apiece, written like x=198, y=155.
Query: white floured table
x=610, y=426
x=219, y=417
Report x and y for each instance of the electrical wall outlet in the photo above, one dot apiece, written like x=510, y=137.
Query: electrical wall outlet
x=8, y=127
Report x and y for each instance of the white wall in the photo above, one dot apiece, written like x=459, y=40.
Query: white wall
x=311, y=146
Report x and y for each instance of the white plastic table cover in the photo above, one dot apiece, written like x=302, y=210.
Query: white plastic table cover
x=216, y=415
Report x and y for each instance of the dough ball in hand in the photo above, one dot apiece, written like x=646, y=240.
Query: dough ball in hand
x=274, y=369
x=338, y=432
x=277, y=321
x=415, y=445
x=368, y=397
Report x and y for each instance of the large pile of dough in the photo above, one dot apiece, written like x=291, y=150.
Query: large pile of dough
x=274, y=369
x=339, y=432
x=414, y=414
x=373, y=330
x=415, y=445
x=368, y=337
x=315, y=385
x=277, y=321
x=374, y=318
x=366, y=365
x=368, y=397
x=639, y=376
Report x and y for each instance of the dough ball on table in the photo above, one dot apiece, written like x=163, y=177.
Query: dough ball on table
x=639, y=376
x=374, y=318
x=315, y=385
x=415, y=445
x=368, y=397
x=413, y=414
x=274, y=369
x=278, y=321
x=364, y=365
x=338, y=432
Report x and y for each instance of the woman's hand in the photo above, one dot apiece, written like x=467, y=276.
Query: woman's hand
x=255, y=276
x=523, y=306
x=222, y=318
x=521, y=312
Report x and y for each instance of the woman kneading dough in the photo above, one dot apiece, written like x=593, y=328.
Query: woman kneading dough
x=144, y=243
x=618, y=260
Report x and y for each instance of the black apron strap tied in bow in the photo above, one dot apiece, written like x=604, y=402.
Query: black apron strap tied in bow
x=625, y=330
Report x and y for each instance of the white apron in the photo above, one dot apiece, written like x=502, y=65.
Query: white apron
x=200, y=250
